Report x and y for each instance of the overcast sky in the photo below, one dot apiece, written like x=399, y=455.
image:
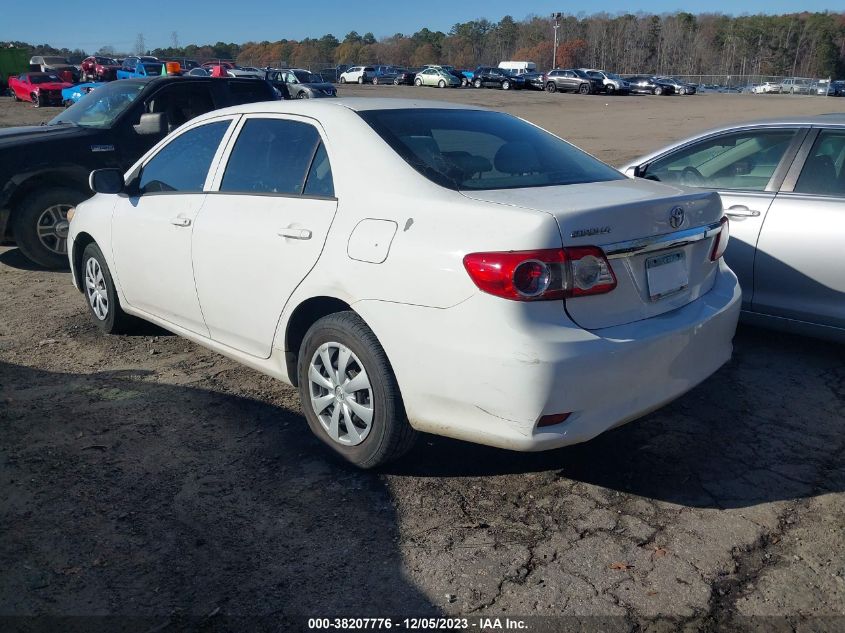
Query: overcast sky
x=91, y=25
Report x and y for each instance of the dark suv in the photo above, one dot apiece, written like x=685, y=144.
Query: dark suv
x=111, y=126
x=572, y=80
x=489, y=77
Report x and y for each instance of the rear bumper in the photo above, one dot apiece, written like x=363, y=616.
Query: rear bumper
x=486, y=372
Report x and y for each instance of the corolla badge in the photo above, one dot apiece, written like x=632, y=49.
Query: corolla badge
x=676, y=217
x=596, y=230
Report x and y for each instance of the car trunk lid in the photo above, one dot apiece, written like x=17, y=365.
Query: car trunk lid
x=658, y=239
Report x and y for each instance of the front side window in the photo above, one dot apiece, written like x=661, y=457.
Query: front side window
x=271, y=156
x=742, y=161
x=477, y=149
x=182, y=165
x=824, y=170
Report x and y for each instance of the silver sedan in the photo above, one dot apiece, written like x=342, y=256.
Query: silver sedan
x=782, y=184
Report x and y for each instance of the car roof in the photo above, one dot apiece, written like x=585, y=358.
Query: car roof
x=830, y=118
x=328, y=107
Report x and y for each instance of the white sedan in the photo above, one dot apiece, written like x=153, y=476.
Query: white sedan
x=501, y=286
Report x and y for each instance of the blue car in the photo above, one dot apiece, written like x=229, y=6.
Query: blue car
x=140, y=69
x=75, y=93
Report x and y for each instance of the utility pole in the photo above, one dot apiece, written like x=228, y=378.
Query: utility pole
x=556, y=18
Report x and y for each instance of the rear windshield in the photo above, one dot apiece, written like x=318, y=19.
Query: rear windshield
x=477, y=149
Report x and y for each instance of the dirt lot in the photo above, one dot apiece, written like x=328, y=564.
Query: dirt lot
x=144, y=476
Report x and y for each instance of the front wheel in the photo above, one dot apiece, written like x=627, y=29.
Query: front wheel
x=441, y=84
x=396, y=81
x=36, y=100
x=343, y=80
x=418, y=82
x=477, y=83
x=361, y=80
x=583, y=89
x=302, y=95
x=610, y=88
x=375, y=81
x=551, y=87
x=506, y=85
x=464, y=82
x=658, y=91
x=98, y=286
x=40, y=225
x=349, y=393
x=683, y=91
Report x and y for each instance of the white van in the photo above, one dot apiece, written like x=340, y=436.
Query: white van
x=518, y=68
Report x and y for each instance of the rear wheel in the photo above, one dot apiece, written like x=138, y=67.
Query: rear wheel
x=375, y=81
x=610, y=88
x=551, y=87
x=657, y=91
x=396, y=81
x=349, y=393
x=583, y=89
x=343, y=80
x=683, y=91
x=40, y=225
x=477, y=83
x=506, y=85
x=361, y=80
x=464, y=82
x=418, y=82
x=441, y=84
x=36, y=100
x=98, y=286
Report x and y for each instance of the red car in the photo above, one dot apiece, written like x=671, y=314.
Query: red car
x=40, y=88
x=97, y=68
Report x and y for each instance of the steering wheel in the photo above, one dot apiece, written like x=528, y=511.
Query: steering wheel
x=691, y=177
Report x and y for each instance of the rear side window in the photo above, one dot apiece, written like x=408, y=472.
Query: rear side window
x=739, y=161
x=249, y=91
x=271, y=156
x=476, y=149
x=182, y=165
x=824, y=170
x=320, y=181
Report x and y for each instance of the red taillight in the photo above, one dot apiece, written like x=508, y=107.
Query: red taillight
x=543, y=274
x=551, y=420
x=721, y=241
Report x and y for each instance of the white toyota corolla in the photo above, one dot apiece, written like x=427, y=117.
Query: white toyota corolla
x=498, y=286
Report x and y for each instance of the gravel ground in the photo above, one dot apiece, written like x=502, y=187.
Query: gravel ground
x=145, y=477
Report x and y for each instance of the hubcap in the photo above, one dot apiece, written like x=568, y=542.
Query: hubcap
x=53, y=228
x=95, y=288
x=341, y=394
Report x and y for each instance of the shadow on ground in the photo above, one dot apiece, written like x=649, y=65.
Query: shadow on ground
x=764, y=428
x=124, y=496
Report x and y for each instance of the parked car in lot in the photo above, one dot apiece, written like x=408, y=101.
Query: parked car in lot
x=385, y=74
x=572, y=80
x=357, y=75
x=436, y=77
x=59, y=66
x=535, y=319
x=134, y=68
x=767, y=87
x=98, y=68
x=681, y=87
x=612, y=83
x=72, y=94
x=299, y=83
x=534, y=81
x=795, y=85
x=783, y=186
x=110, y=127
x=42, y=89
x=643, y=84
x=452, y=71
x=490, y=77
x=836, y=89
x=404, y=78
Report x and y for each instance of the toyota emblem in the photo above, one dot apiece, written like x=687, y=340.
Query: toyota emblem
x=676, y=217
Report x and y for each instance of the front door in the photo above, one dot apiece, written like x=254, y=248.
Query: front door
x=152, y=227
x=262, y=229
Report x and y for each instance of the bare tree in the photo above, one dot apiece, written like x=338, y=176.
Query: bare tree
x=140, y=44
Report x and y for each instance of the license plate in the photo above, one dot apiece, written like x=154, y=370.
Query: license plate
x=666, y=274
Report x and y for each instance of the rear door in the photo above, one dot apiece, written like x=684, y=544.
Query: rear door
x=799, y=271
x=262, y=228
x=745, y=167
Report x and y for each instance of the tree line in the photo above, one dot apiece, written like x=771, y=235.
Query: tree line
x=798, y=44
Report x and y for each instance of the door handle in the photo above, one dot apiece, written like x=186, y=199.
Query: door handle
x=741, y=211
x=180, y=221
x=295, y=234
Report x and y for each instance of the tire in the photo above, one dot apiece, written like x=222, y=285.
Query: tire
x=33, y=220
x=506, y=85
x=551, y=87
x=657, y=91
x=302, y=95
x=610, y=89
x=477, y=83
x=361, y=80
x=464, y=82
x=375, y=81
x=388, y=435
x=100, y=294
x=15, y=95
x=441, y=84
x=584, y=89
x=396, y=81
x=343, y=80
x=683, y=91
x=36, y=100
x=418, y=82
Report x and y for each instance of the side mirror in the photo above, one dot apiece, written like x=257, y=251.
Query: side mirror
x=151, y=124
x=106, y=181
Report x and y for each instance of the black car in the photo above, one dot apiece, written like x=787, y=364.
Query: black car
x=535, y=81
x=111, y=126
x=646, y=84
x=405, y=77
x=572, y=80
x=489, y=77
x=836, y=89
x=296, y=83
